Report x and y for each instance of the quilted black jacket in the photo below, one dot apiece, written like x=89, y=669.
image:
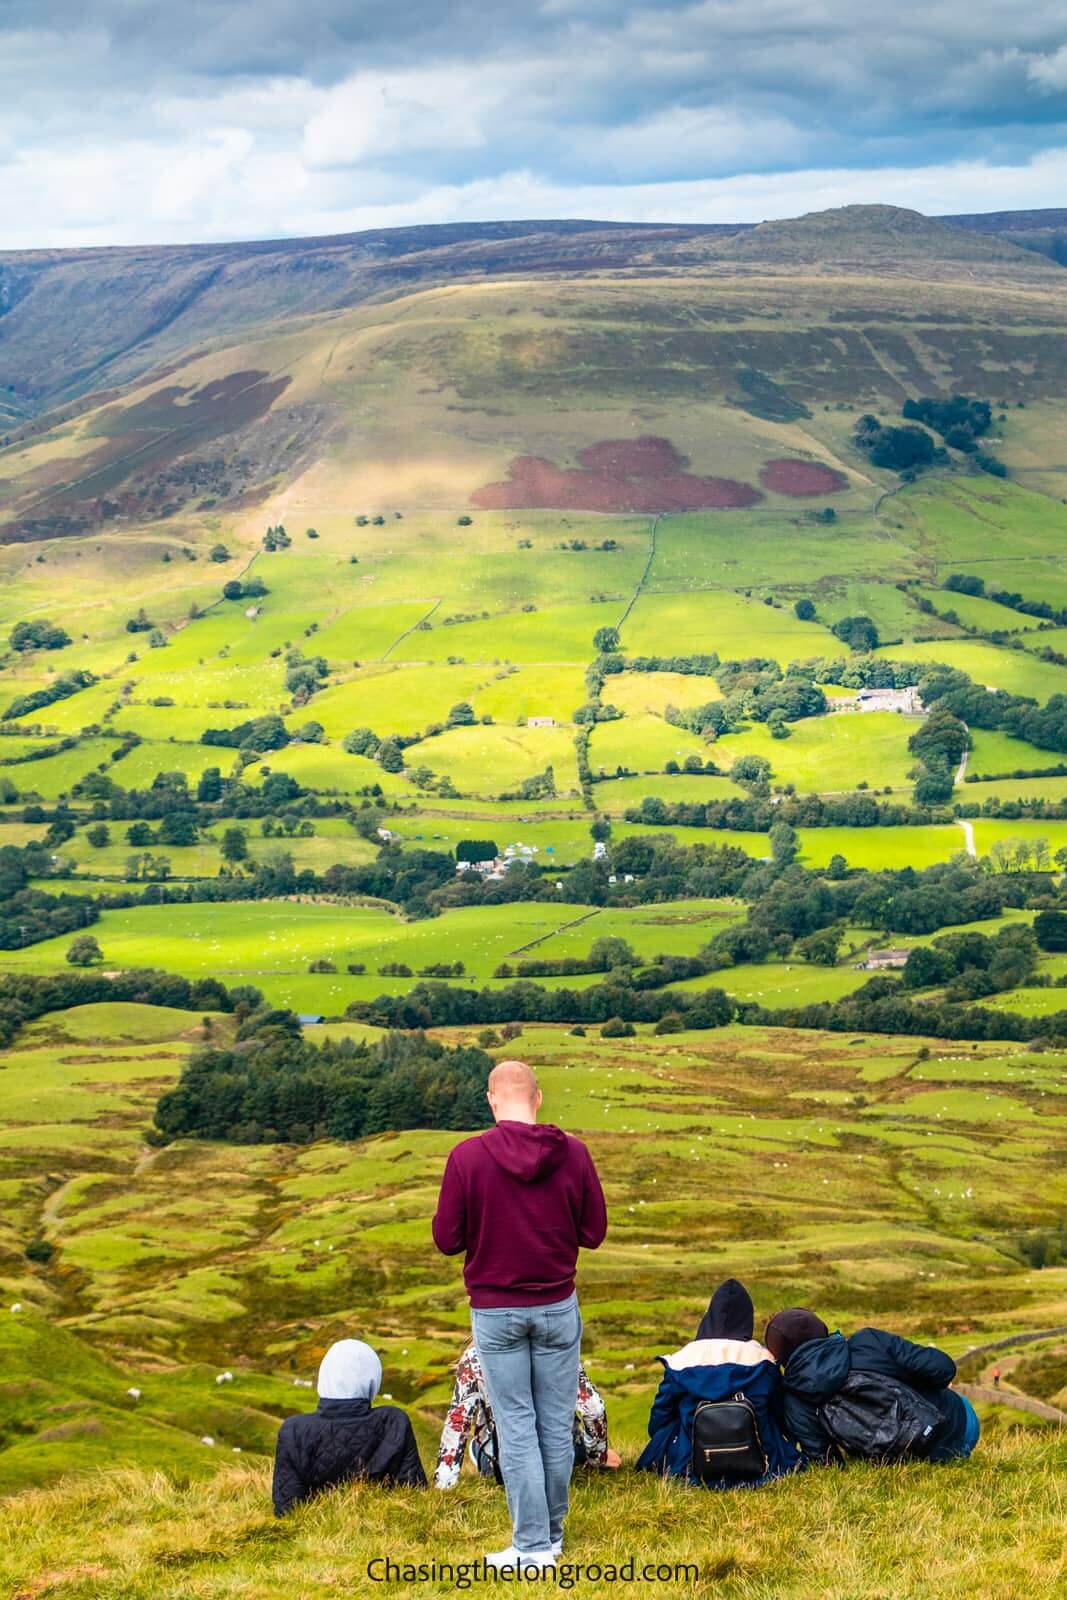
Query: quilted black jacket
x=343, y=1439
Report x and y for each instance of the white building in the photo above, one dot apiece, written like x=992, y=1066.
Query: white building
x=906, y=701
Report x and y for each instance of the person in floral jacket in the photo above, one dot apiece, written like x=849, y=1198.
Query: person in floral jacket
x=470, y=1417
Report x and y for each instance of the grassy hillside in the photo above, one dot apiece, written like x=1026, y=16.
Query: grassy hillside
x=989, y=1527
x=253, y=756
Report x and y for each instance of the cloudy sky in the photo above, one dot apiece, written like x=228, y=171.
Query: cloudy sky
x=130, y=121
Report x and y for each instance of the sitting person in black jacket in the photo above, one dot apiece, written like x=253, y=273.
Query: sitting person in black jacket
x=345, y=1437
x=817, y=1363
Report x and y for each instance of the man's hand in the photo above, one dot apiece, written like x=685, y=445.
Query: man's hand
x=612, y=1460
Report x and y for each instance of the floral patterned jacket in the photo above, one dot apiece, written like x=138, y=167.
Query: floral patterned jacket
x=470, y=1415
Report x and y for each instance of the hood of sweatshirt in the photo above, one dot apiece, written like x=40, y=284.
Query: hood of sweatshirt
x=350, y=1370
x=730, y=1313
x=818, y=1368
x=528, y=1151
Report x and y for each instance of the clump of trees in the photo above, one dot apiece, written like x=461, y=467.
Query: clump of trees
x=962, y=422
x=258, y=733
x=952, y=690
x=859, y=633
x=906, y=450
x=971, y=965
x=304, y=674
x=38, y=635
x=939, y=744
x=275, y=1085
x=244, y=589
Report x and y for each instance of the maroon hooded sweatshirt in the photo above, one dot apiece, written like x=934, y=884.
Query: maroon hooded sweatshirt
x=519, y=1199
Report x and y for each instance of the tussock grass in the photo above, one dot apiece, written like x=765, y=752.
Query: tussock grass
x=991, y=1527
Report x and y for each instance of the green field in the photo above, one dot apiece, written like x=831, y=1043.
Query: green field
x=641, y=744
x=716, y=619
x=994, y=666
x=831, y=754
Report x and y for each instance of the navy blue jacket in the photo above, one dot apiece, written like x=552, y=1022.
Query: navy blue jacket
x=817, y=1369
x=670, y=1424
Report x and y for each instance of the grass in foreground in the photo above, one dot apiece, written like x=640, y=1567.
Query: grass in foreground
x=989, y=1527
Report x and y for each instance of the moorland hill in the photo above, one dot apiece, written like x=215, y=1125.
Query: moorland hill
x=72, y=321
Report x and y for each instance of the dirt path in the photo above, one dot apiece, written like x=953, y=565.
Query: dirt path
x=961, y=770
x=968, y=834
x=1018, y=1402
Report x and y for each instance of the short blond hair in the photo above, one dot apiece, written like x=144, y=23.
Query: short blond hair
x=513, y=1080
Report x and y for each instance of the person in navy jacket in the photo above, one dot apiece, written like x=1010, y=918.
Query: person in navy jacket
x=722, y=1361
x=817, y=1362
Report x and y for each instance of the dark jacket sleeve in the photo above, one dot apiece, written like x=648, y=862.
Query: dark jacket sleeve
x=593, y=1222
x=289, y=1485
x=395, y=1458
x=801, y=1424
x=450, y=1220
x=922, y=1364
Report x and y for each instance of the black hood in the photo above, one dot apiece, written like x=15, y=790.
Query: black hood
x=730, y=1313
x=818, y=1368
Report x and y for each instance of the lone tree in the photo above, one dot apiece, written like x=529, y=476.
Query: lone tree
x=805, y=610
x=606, y=640
x=1050, y=930
x=859, y=633
x=84, y=951
x=235, y=845
x=782, y=838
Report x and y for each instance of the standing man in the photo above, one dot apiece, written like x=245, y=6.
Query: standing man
x=519, y=1200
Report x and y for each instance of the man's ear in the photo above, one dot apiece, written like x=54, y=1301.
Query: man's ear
x=538, y=1098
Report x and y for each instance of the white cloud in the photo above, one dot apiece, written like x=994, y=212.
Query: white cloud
x=1049, y=72
x=187, y=181
x=227, y=187
x=684, y=139
x=376, y=115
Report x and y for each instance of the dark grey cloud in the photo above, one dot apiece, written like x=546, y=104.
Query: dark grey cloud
x=132, y=119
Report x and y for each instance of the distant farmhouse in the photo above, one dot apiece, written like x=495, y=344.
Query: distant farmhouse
x=497, y=867
x=879, y=960
x=540, y=722
x=906, y=701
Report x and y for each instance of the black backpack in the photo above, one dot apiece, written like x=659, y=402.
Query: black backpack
x=878, y=1418
x=726, y=1441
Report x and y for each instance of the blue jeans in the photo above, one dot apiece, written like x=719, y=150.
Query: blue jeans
x=529, y=1355
x=974, y=1428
